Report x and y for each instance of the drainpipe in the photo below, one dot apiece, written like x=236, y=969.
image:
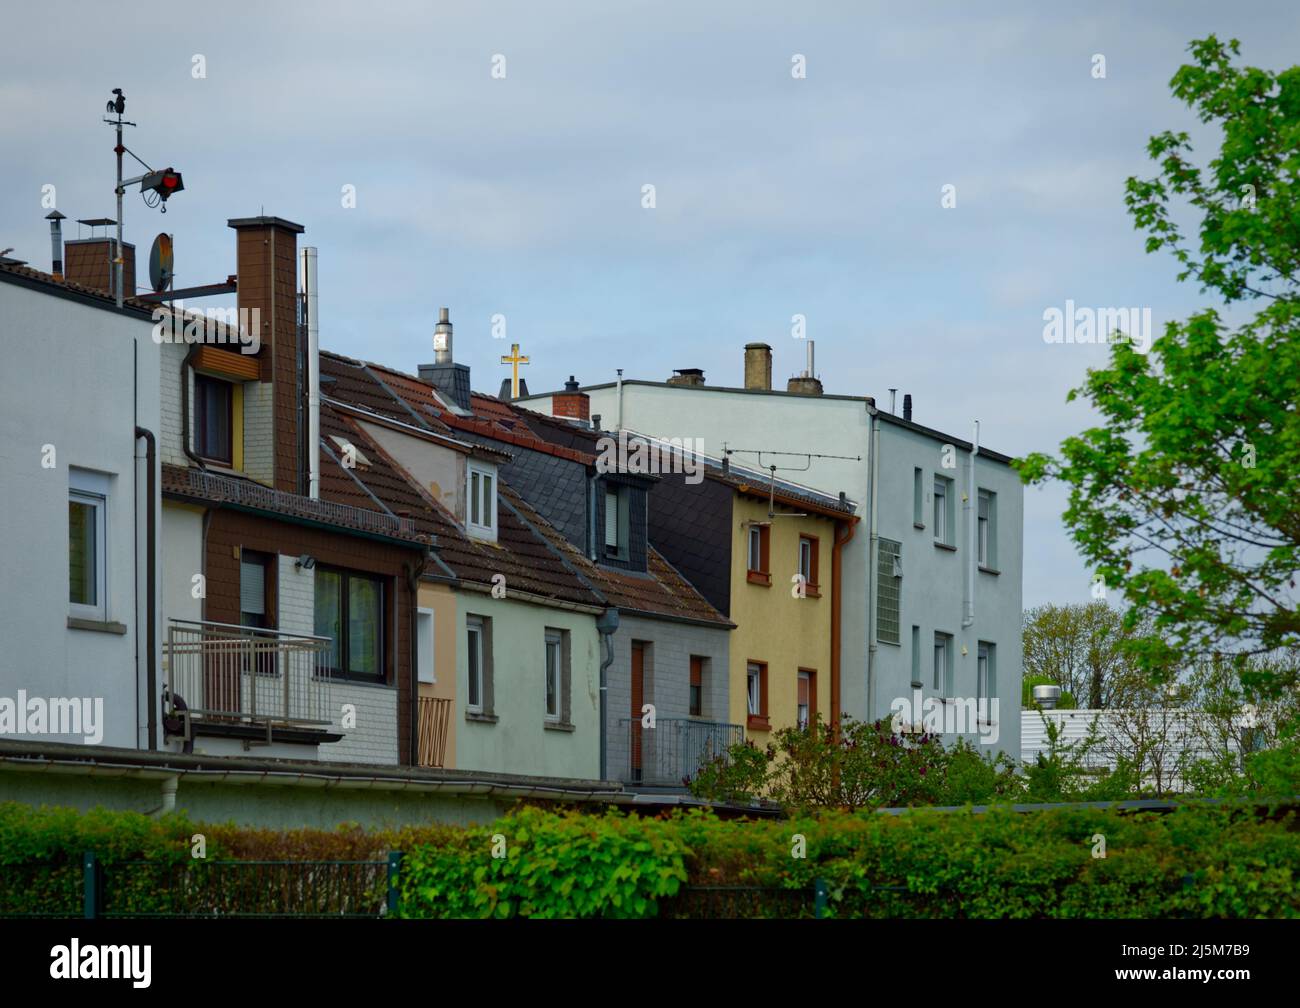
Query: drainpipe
x=412, y=573
x=606, y=624
x=873, y=545
x=170, y=783
x=186, y=370
x=308, y=257
x=151, y=590
x=836, y=573
x=972, y=551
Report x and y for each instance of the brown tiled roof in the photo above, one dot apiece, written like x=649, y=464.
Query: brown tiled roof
x=348, y=514
x=525, y=559
x=27, y=273
x=660, y=592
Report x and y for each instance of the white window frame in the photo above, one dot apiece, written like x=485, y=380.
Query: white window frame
x=427, y=673
x=985, y=530
x=554, y=669
x=939, y=510
x=474, y=631
x=803, y=712
x=481, y=501
x=92, y=490
x=754, y=557
x=754, y=690
x=943, y=644
x=986, y=677
x=805, y=559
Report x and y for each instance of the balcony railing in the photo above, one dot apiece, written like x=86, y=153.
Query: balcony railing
x=226, y=673
x=672, y=752
x=435, y=718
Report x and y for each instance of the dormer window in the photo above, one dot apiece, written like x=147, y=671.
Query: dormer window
x=616, y=522
x=214, y=419
x=481, y=502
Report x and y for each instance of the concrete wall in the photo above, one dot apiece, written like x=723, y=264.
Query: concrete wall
x=932, y=584
x=442, y=601
x=270, y=806
x=520, y=741
x=78, y=379
x=666, y=679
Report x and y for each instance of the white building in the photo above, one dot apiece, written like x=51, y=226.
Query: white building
x=78, y=421
x=929, y=609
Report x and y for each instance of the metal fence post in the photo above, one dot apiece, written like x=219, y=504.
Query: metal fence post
x=92, y=890
x=819, y=898
x=394, y=878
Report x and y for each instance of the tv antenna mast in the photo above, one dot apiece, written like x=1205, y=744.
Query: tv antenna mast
x=772, y=469
x=163, y=184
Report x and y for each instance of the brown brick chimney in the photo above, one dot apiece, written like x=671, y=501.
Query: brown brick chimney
x=267, y=266
x=571, y=404
x=89, y=262
x=689, y=377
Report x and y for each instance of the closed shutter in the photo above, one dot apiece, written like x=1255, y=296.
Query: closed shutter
x=611, y=519
x=252, y=587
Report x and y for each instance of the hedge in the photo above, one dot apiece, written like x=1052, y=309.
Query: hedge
x=1198, y=861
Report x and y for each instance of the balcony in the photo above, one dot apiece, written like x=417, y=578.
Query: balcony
x=435, y=717
x=672, y=752
x=221, y=674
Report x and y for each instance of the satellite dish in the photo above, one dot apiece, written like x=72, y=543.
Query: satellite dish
x=160, y=263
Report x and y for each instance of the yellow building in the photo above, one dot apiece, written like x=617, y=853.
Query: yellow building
x=784, y=599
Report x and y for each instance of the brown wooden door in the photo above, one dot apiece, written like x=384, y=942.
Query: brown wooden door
x=638, y=699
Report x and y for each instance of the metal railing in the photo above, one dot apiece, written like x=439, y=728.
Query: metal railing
x=673, y=751
x=435, y=719
x=219, y=671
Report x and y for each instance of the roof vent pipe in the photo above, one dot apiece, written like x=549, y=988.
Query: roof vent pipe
x=56, y=243
x=442, y=353
x=311, y=299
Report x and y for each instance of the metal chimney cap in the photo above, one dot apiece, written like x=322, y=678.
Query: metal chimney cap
x=1047, y=696
x=55, y=215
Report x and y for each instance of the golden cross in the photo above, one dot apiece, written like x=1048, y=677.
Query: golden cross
x=514, y=360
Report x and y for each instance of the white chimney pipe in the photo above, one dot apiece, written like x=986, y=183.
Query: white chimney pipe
x=312, y=300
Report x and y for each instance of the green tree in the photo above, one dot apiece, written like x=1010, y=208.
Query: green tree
x=1185, y=496
x=1081, y=649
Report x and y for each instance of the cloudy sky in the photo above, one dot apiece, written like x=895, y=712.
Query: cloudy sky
x=775, y=196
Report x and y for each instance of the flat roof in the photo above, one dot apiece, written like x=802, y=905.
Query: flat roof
x=868, y=401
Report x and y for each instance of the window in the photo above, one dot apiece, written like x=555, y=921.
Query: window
x=254, y=580
x=806, y=702
x=87, y=544
x=213, y=418
x=916, y=656
x=918, y=498
x=889, y=591
x=756, y=694
x=943, y=664
x=808, y=550
x=350, y=610
x=696, y=707
x=557, y=676
x=424, y=644
x=986, y=680
x=759, y=540
x=478, y=667
x=617, y=522
x=986, y=537
x=943, y=511
x=481, y=506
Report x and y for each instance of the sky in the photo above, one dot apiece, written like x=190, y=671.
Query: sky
x=492, y=157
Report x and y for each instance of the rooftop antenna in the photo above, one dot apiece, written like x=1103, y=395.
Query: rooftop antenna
x=772, y=468
x=162, y=184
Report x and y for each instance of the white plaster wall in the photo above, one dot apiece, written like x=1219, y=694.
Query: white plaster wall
x=78, y=378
